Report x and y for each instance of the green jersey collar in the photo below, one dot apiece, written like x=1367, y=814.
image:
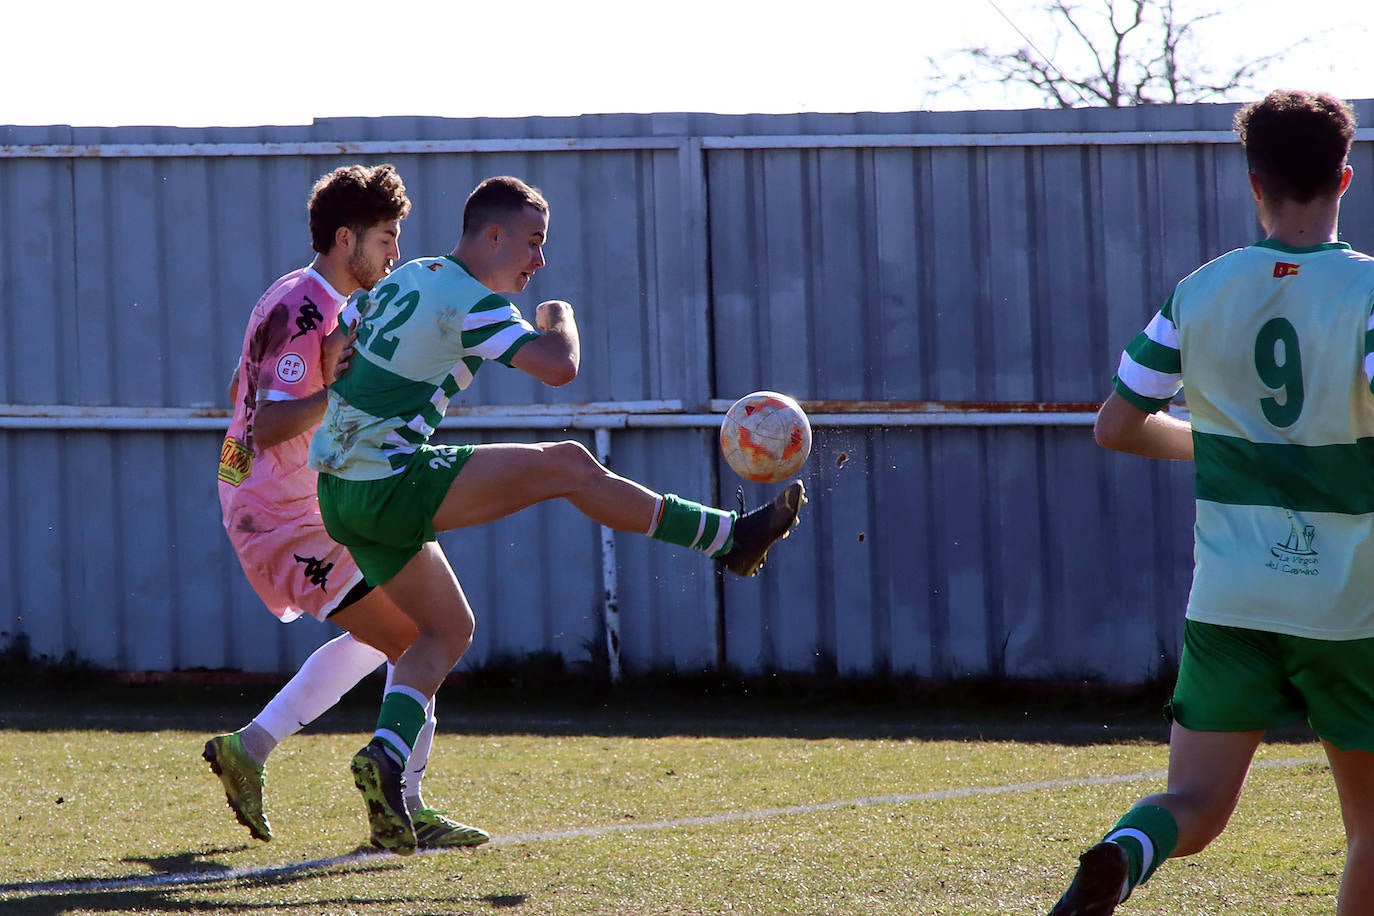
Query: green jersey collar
x=474, y=276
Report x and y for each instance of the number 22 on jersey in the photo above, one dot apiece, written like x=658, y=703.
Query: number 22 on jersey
x=384, y=341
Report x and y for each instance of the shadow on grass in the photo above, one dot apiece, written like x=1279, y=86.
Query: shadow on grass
x=180, y=883
x=538, y=696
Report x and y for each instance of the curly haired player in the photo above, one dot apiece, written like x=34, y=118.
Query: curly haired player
x=1273, y=346
x=267, y=493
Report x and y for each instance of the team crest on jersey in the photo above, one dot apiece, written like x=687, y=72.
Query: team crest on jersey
x=291, y=368
x=1294, y=555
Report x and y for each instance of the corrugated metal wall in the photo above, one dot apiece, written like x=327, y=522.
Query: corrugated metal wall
x=970, y=276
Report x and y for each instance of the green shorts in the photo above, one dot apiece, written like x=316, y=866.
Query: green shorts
x=1232, y=679
x=384, y=523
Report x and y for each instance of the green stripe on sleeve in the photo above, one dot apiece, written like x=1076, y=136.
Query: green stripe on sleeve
x=1313, y=478
x=474, y=338
x=490, y=304
x=1155, y=356
x=1149, y=405
x=505, y=358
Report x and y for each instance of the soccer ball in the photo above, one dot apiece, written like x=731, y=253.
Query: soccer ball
x=765, y=437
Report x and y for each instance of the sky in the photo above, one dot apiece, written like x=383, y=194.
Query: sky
x=262, y=62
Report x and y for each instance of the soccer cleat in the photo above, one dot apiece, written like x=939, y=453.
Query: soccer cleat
x=758, y=530
x=382, y=780
x=435, y=831
x=1097, y=887
x=242, y=780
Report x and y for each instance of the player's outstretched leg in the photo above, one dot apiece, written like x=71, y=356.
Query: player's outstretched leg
x=759, y=529
x=1098, y=885
x=381, y=779
x=242, y=780
x=435, y=830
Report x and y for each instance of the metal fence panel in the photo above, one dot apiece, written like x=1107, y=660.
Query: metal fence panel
x=968, y=259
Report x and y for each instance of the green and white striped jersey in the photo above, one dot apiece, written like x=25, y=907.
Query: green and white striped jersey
x=423, y=332
x=1272, y=348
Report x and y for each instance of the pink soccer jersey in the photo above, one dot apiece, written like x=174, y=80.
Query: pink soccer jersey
x=267, y=497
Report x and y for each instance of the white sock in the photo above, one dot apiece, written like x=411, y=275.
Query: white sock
x=419, y=759
x=419, y=752
x=330, y=672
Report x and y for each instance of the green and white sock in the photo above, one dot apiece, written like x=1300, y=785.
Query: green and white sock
x=1149, y=834
x=402, y=716
x=688, y=524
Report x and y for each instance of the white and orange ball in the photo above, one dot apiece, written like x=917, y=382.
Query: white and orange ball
x=765, y=437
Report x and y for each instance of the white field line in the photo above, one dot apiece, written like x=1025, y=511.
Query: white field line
x=182, y=879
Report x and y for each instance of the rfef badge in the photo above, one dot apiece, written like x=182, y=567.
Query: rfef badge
x=291, y=368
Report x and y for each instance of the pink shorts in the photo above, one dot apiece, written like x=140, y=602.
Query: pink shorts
x=296, y=568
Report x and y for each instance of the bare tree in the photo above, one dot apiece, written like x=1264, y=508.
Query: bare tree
x=1112, y=53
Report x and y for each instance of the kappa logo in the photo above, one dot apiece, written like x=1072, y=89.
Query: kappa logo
x=309, y=318
x=1284, y=269
x=291, y=367
x=316, y=570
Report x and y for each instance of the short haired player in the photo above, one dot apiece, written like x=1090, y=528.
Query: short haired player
x=267, y=493
x=385, y=491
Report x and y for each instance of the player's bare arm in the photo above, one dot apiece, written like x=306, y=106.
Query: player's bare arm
x=555, y=356
x=1123, y=427
x=278, y=421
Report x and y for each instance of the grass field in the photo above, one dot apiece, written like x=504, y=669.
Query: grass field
x=645, y=807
